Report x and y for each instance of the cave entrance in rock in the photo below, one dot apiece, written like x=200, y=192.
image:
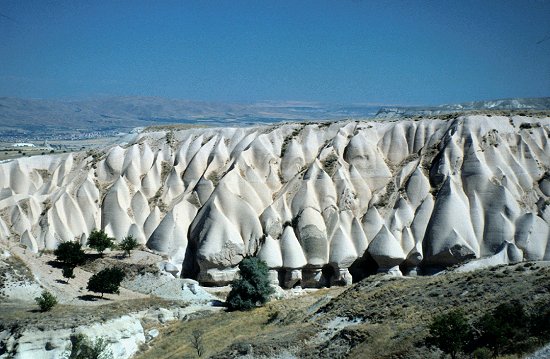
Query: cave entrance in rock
x=327, y=273
x=362, y=268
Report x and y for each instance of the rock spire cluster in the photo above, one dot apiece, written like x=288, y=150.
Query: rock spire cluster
x=315, y=200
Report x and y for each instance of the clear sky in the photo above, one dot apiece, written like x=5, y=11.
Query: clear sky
x=386, y=51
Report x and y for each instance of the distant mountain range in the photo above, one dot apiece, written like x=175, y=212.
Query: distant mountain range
x=33, y=119
x=542, y=103
x=44, y=117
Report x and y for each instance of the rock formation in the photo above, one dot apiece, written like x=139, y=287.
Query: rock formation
x=313, y=200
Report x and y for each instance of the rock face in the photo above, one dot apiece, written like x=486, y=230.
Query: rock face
x=312, y=200
x=123, y=336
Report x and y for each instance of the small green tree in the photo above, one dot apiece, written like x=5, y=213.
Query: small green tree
x=83, y=348
x=449, y=332
x=100, y=241
x=128, y=244
x=505, y=329
x=68, y=272
x=46, y=301
x=252, y=288
x=106, y=281
x=70, y=253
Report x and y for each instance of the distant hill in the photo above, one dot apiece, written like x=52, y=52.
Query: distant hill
x=542, y=103
x=24, y=118
x=36, y=119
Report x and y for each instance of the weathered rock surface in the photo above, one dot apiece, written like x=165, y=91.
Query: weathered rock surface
x=123, y=336
x=310, y=199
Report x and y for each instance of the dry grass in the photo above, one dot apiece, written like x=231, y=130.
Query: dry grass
x=26, y=314
x=393, y=314
x=223, y=329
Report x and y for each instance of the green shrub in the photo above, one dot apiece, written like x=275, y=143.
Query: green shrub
x=100, y=241
x=252, y=288
x=106, y=281
x=83, y=348
x=68, y=272
x=449, y=332
x=46, y=301
x=504, y=329
x=128, y=244
x=70, y=253
x=540, y=320
x=482, y=353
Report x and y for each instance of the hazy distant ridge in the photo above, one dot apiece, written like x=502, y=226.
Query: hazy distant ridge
x=542, y=103
x=22, y=119
x=121, y=113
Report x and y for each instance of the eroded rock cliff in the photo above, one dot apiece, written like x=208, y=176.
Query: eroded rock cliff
x=312, y=200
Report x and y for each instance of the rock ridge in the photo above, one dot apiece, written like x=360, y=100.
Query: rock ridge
x=319, y=202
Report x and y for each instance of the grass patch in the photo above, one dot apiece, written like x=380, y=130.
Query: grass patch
x=233, y=332
x=390, y=317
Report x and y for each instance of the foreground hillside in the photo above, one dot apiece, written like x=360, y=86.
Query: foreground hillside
x=320, y=203
x=379, y=317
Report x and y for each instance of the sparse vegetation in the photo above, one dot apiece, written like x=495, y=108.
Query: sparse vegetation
x=214, y=177
x=128, y=244
x=482, y=353
x=70, y=254
x=100, y=241
x=170, y=137
x=68, y=273
x=196, y=342
x=450, y=332
x=287, y=140
x=388, y=317
x=46, y=301
x=330, y=164
x=508, y=329
x=83, y=348
x=106, y=281
x=528, y=125
x=252, y=288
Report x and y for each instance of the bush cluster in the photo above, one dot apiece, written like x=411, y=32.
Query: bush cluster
x=508, y=329
x=252, y=288
x=84, y=348
x=46, y=301
x=70, y=254
x=106, y=281
x=100, y=241
x=128, y=244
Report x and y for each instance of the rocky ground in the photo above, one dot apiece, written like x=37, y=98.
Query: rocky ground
x=149, y=298
x=379, y=317
x=156, y=314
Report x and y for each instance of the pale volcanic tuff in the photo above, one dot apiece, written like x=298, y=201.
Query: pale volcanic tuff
x=404, y=194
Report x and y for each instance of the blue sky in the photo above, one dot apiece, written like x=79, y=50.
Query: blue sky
x=390, y=52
